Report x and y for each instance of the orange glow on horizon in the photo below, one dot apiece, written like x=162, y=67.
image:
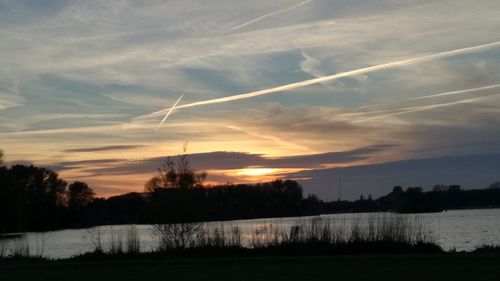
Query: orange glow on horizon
x=256, y=171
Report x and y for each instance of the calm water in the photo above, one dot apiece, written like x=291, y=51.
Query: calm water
x=463, y=230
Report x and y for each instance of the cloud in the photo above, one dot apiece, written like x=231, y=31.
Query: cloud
x=222, y=160
x=104, y=148
x=450, y=93
x=401, y=111
x=328, y=78
x=76, y=73
x=9, y=99
x=280, y=11
x=470, y=171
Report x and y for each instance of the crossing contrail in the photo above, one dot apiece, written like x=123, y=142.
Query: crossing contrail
x=313, y=81
x=412, y=109
x=269, y=15
x=169, y=112
x=390, y=108
x=457, y=92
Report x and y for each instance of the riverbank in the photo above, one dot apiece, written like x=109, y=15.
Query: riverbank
x=469, y=266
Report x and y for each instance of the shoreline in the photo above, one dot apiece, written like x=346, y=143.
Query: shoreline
x=22, y=233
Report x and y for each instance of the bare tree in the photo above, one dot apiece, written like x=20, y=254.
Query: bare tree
x=177, y=174
x=177, y=236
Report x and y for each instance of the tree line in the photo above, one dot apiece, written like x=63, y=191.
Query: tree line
x=416, y=200
x=35, y=199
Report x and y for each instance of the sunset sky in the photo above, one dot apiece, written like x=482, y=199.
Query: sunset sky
x=85, y=84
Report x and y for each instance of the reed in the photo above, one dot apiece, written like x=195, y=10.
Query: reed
x=132, y=240
x=94, y=236
x=177, y=236
x=115, y=242
x=20, y=249
x=4, y=246
x=382, y=233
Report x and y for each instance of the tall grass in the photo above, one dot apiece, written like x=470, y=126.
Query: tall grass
x=178, y=235
x=375, y=234
x=383, y=233
x=39, y=246
x=4, y=246
x=117, y=244
x=20, y=249
x=94, y=236
x=132, y=241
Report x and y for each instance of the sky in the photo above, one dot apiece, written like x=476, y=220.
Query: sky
x=295, y=89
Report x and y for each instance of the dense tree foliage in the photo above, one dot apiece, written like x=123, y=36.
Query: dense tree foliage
x=31, y=198
x=79, y=195
x=275, y=199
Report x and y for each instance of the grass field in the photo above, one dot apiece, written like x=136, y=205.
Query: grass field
x=395, y=267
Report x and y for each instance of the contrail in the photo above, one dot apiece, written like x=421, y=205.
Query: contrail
x=458, y=92
x=169, y=112
x=399, y=104
x=269, y=15
x=420, y=108
x=339, y=75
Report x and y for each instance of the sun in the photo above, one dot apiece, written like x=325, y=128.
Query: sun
x=256, y=172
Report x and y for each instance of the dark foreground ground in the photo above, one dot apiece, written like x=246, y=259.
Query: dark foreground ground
x=395, y=267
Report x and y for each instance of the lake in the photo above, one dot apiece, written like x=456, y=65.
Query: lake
x=463, y=230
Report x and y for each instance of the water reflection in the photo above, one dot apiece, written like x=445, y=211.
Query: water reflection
x=463, y=230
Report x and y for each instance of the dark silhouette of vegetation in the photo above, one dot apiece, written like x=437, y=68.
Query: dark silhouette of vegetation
x=33, y=198
x=415, y=200
x=79, y=195
x=178, y=175
x=387, y=234
x=488, y=249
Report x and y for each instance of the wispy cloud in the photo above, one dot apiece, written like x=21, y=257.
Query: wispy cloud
x=451, y=93
x=76, y=73
x=412, y=109
x=328, y=78
x=8, y=100
x=280, y=11
x=234, y=160
x=103, y=148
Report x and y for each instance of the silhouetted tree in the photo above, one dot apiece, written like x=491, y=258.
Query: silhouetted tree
x=180, y=174
x=79, y=195
x=43, y=195
x=397, y=190
x=152, y=184
x=495, y=185
x=177, y=175
x=454, y=188
x=440, y=188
